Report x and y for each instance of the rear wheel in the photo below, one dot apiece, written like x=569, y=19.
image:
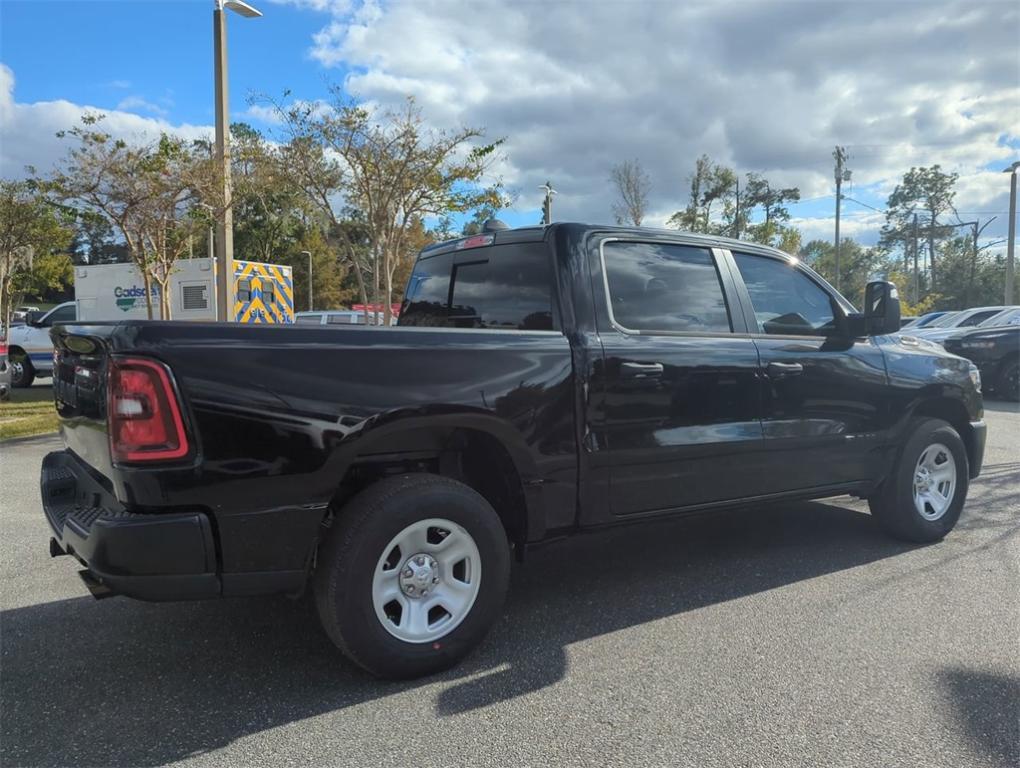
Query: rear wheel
x=923, y=496
x=412, y=575
x=22, y=371
x=1007, y=385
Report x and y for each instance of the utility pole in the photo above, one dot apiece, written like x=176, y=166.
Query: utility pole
x=547, y=204
x=736, y=214
x=309, y=255
x=1011, y=245
x=917, y=272
x=841, y=174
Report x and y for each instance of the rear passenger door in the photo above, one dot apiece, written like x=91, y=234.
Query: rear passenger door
x=823, y=392
x=679, y=388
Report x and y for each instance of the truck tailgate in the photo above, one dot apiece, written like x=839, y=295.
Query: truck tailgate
x=79, y=390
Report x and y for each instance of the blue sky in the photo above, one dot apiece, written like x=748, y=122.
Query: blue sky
x=771, y=87
x=101, y=53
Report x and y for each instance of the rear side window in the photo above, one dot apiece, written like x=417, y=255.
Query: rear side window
x=501, y=287
x=308, y=319
x=664, y=287
x=786, y=301
x=978, y=317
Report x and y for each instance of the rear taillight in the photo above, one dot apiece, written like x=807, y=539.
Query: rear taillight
x=144, y=416
x=3, y=348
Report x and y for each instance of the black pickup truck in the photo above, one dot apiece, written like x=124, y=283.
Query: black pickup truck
x=541, y=381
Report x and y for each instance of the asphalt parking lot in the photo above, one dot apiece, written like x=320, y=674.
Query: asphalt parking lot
x=780, y=636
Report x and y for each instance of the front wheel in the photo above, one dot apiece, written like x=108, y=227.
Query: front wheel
x=1008, y=384
x=923, y=496
x=412, y=575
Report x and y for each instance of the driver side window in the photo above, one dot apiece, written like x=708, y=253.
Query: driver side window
x=786, y=302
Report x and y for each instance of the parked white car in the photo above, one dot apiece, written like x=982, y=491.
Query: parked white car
x=338, y=317
x=29, y=349
x=5, y=369
x=942, y=329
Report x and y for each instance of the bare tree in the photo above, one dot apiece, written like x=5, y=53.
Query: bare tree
x=395, y=168
x=632, y=187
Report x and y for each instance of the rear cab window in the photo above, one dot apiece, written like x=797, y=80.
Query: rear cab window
x=497, y=287
x=663, y=287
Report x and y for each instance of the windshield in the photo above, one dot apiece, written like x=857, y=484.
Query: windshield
x=945, y=321
x=928, y=320
x=1006, y=317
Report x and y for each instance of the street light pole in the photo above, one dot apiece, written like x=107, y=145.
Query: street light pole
x=1011, y=245
x=224, y=241
x=547, y=203
x=309, y=255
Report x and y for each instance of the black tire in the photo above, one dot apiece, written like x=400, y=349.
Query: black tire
x=22, y=370
x=1007, y=383
x=348, y=557
x=893, y=504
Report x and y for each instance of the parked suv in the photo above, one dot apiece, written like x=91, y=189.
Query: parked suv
x=541, y=382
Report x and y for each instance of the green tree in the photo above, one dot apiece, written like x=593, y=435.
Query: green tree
x=50, y=273
x=968, y=279
x=151, y=193
x=270, y=211
x=925, y=193
x=715, y=206
x=31, y=229
x=857, y=265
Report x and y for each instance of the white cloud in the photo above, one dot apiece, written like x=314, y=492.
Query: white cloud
x=29, y=131
x=137, y=103
x=768, y=87
x=262, y=114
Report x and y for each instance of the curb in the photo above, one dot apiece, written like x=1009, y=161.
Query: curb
x=29, y=438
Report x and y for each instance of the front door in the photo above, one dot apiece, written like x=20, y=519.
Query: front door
x=822, y=392
x=680, y=392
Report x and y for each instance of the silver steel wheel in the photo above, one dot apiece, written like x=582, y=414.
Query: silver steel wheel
x=934, y=481
x=426, y=580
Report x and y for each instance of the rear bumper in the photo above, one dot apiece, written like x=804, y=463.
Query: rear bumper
x=979, y=434
x=165, y=556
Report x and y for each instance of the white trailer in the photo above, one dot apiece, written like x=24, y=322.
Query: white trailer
x=261, y=293
x=117, y=291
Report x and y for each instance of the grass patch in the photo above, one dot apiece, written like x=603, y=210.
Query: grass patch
x=29, y=412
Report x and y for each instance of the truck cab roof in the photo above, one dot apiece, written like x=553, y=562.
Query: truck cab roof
x=538, y=233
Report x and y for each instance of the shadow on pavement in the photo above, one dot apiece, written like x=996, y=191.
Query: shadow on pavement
x=121, y=682
x=987, y=707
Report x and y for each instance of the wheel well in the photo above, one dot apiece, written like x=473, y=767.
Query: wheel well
x=470, y=456
x=954, y=412
x=14, y=349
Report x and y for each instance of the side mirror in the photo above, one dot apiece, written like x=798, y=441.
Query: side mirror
x=33, y=317
x=881, y=308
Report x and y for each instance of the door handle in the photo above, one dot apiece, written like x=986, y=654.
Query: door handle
x=640, y=370
x=779, y=370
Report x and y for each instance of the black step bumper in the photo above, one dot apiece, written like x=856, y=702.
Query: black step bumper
x=149, y=556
